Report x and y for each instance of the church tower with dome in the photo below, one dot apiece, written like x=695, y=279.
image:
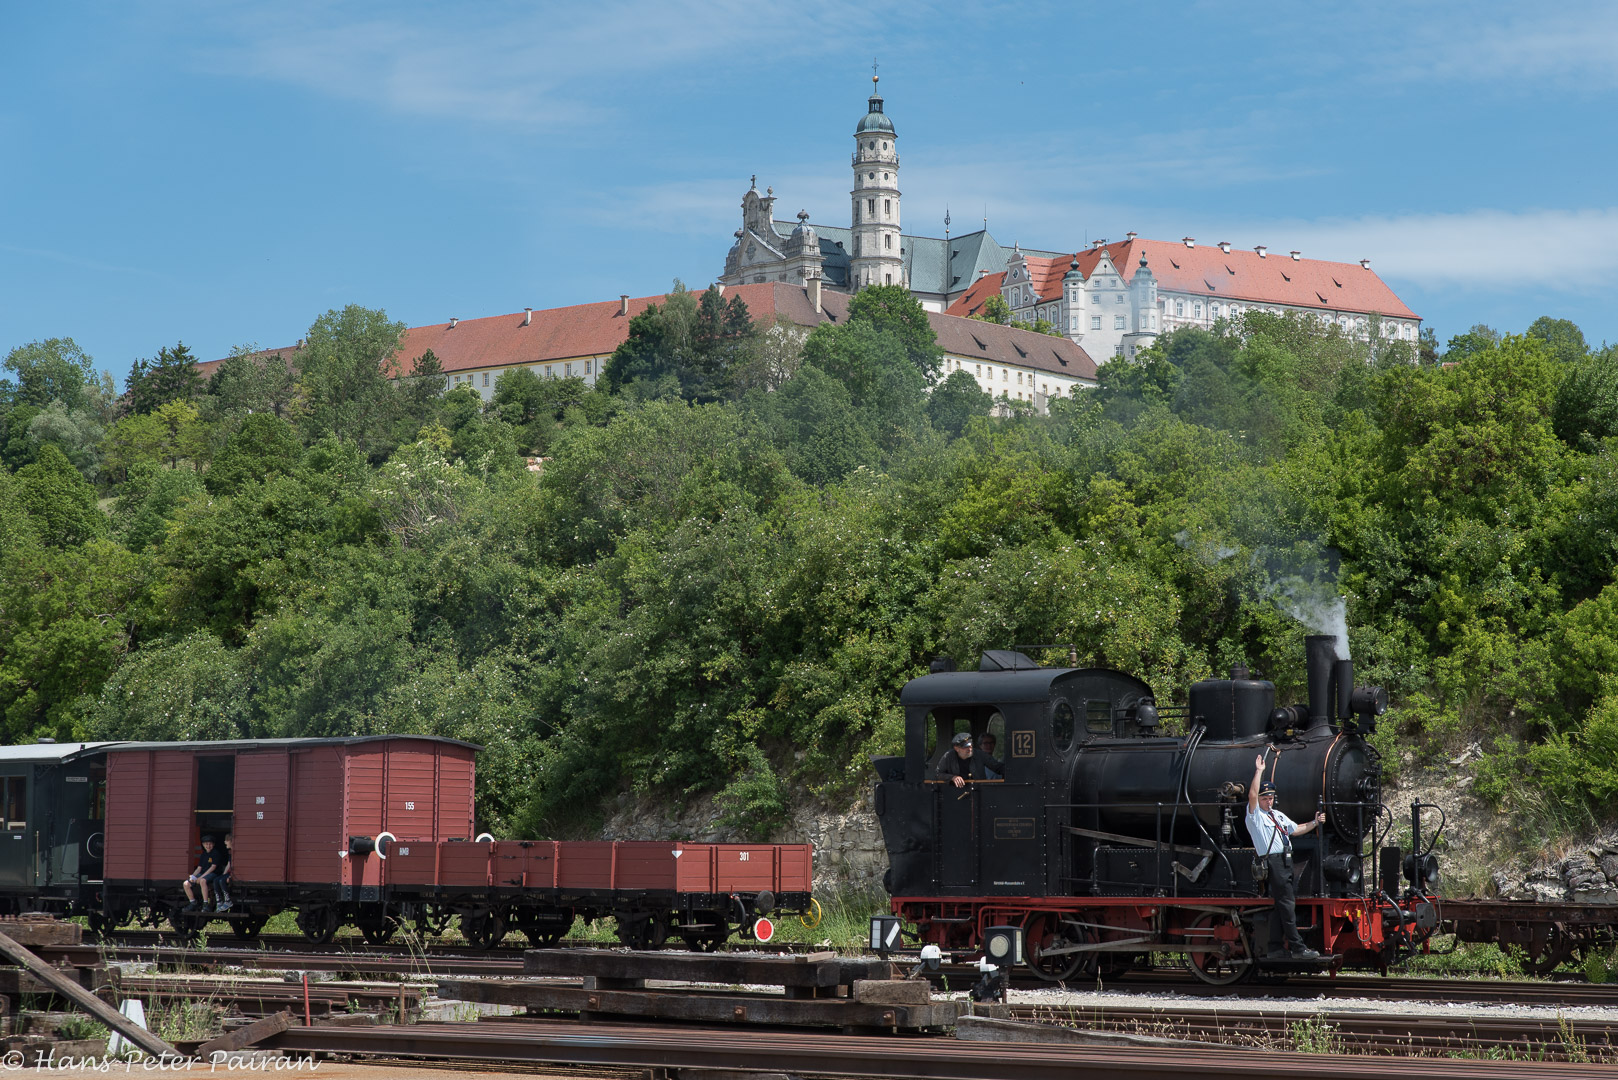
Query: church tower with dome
x=878, y=255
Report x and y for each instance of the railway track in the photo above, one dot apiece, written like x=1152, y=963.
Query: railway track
x=293, y=952
x=1521, y=1038
x=838, y=1055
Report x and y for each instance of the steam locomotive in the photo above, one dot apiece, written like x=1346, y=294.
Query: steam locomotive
x=1107, y=840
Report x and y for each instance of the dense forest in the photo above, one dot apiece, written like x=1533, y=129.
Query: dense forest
x=713, y=571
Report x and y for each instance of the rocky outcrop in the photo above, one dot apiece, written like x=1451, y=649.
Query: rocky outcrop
x=1586, y=875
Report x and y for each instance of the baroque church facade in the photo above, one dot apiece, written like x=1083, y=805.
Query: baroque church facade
x=1112, y=298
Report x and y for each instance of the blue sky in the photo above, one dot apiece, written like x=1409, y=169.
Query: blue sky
x=222, y=173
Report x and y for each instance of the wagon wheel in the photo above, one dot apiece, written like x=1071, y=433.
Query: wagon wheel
x=319, y=924
x=1043, y=933
x=183, y=925
x=632, y=931
x=484, y=931
x=378, y=932
x=657, y=930
x=105, y=922
x=1547, y=948
x=1217, y=949
x=545, y=937
x=247, y=929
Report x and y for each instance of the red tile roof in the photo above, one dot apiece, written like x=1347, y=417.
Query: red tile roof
x=971, y=301
x=1243, y=276
x=595, y=330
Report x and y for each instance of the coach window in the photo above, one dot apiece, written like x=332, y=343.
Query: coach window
x=15, y=795
x=1062, y=724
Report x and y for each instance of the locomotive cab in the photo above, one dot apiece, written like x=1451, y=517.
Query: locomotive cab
x=992, y=836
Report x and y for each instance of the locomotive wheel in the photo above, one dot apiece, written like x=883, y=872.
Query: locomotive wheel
x=319, y=924
x=1217, y=949
x=1044, y=932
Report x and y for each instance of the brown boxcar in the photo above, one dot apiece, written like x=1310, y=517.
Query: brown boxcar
x=296, y=807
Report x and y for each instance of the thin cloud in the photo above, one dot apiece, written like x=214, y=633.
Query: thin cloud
x=1484, y=250
x=532, y=69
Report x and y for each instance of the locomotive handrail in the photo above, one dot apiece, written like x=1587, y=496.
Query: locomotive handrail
x=1136, y=841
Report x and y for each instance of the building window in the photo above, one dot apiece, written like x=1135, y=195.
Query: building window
x=887, y=241
x=567, y=370
x=1045, y=388
x=887, y=206
x=1073, y=323
x=1197, y=310
x=1095, y=322
x=1019, y=378
x=887, y=279
x=587, y=367
x=485, y=378
x=980, y=370
x=1117, y=322
x=870, y=207
x=1179, y=307
x=884, y=146
x=548, y=370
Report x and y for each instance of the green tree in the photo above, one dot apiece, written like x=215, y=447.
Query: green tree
x=1564, y=339
x=995, y=310
x=955, y=401
x=252, y=381
x=190, y=689
x=1586, y=408
x=264, y=446
x=696, y=342
x=55, y=369
x=58, y=501
x=342, y=370
x=148, y=503
x=67, y=617
x=169, y=376
x=891, y=309
x=818, y=429
x=1464, y=346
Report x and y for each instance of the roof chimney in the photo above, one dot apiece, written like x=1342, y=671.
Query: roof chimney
x=1131, y=235
x=527, y=315
x=814, y=294
x=1263, y=252
x=982, y=274
x=1188, y=241
x=1365, y=263
x=623, y=303
x=1296, y=255
x=452, y=321
x=1224, y=245
x=1097, y=244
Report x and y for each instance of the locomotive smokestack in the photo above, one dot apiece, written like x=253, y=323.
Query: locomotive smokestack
x=1320, y=651
x=1342, y=688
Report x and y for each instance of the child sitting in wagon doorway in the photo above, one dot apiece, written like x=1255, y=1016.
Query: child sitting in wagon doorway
x=207, y=872
x=221, y=885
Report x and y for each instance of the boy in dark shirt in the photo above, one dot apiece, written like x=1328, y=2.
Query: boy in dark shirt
x=221, y=885
x=204, y=875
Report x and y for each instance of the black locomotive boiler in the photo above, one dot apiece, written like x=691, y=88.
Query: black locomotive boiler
x=1107, y=839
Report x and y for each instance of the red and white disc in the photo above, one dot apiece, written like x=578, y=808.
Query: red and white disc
x=764, y=929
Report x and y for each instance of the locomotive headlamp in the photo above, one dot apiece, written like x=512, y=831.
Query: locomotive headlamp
x=1347, y=869
x=1368, y=701
x=1421, y=870
x=1002, y=945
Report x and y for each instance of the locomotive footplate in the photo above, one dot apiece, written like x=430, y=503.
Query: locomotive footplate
x=1285, y=962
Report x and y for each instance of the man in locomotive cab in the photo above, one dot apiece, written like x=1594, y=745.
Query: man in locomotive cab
x=1272, y=832
x=962, y=764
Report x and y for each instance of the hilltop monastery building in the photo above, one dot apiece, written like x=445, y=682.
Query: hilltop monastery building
x=1109, y=299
